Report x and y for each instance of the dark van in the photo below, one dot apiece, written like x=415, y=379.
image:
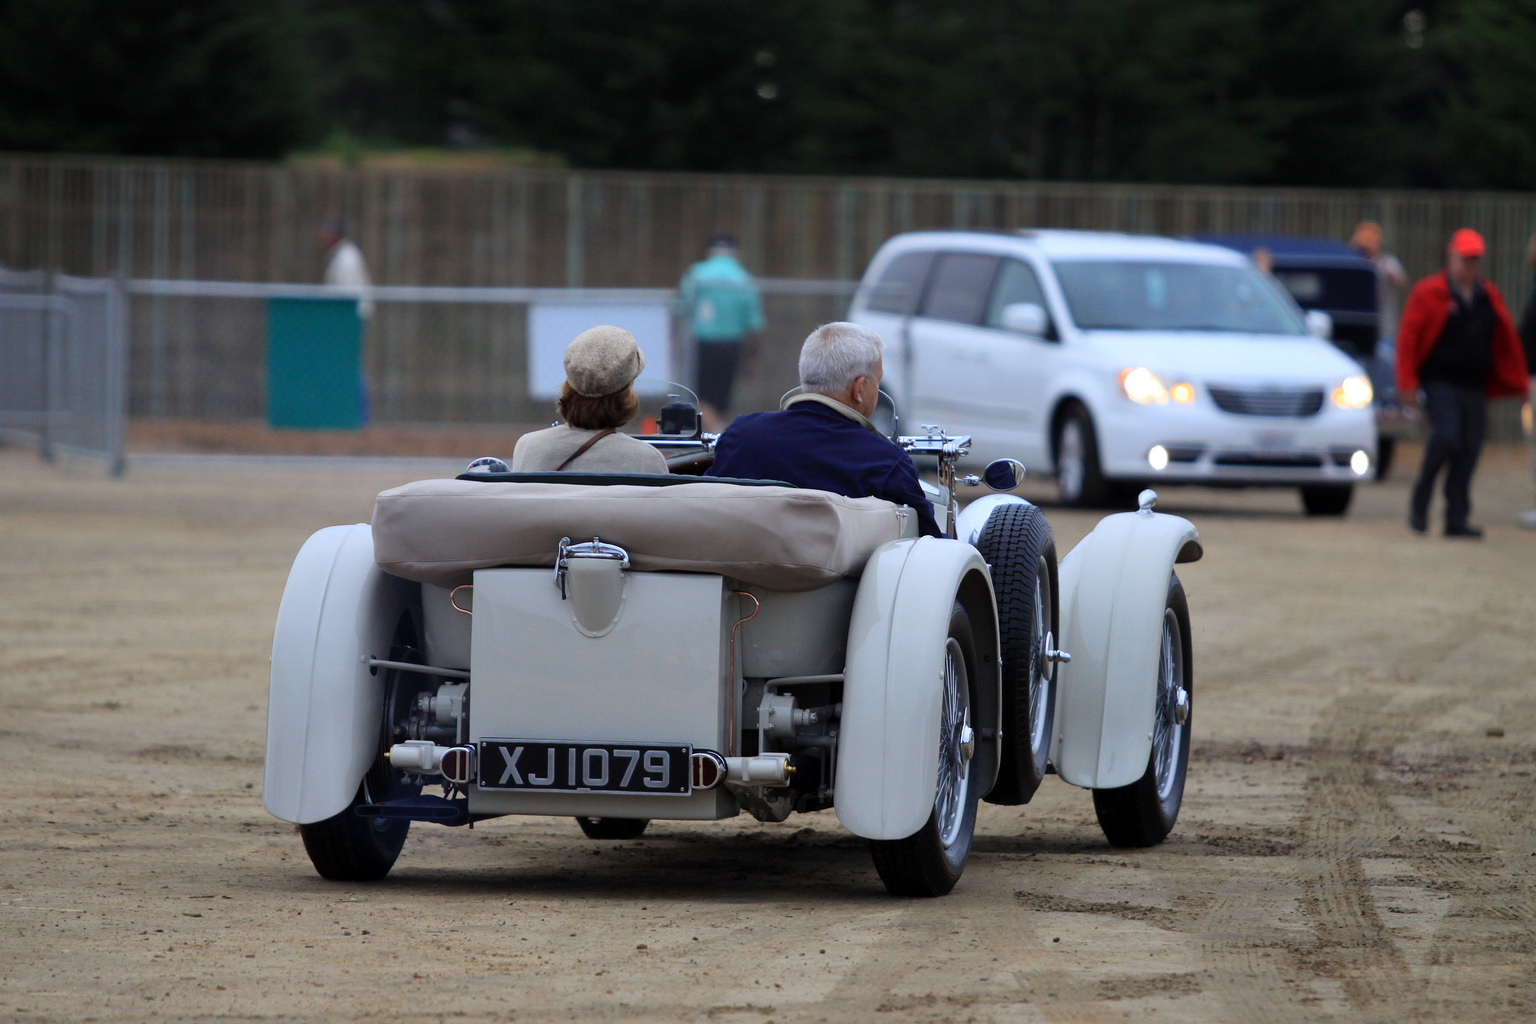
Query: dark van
x=1329, y=276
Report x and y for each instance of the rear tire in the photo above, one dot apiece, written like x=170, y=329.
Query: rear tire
x=352, y=848
x=1079, y=479
x=1143, y=813
x=613, y=828
x=1017, y=544
x=1327, y=499
x=929, y=862
x=1385, y=448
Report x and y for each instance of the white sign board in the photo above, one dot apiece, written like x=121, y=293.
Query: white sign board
x=553, y=325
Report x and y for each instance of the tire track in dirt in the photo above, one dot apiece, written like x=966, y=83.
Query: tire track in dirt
x=1350, y=815
x=1264, y=974
x=1346, y=817
x=932, y=932
x=1248, y=979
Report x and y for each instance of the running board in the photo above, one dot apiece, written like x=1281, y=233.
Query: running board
x=419, y=808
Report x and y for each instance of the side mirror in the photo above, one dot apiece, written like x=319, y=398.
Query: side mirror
x=1004, y=474
x=1319, y=324
x=679, y=417
x=1026, y=318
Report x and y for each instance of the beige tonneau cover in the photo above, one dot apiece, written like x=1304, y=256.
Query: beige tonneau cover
x=782, y=538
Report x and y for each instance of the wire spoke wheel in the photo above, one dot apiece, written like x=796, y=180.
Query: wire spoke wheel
x=1040, y=666
x=1143, y=813
x=955, y=739
x=930, y=860
x=1167, y=730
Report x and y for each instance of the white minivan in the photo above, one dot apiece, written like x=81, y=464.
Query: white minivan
x=1117, y=360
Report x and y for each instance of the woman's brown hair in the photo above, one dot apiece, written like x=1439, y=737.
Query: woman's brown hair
x=585, y=413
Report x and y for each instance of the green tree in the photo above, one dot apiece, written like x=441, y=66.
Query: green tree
x=1485, y=108
x=214, y=78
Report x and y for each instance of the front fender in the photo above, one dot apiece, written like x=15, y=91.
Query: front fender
x=324, y=705
x=887, y=757
x=1114, y=585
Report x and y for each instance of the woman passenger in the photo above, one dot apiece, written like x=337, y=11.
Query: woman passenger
x=596, y=399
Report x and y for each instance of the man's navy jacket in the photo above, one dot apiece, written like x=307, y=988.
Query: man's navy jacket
x=812, y=445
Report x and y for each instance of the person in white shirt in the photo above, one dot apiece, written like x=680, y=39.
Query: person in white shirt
x=346, y=268
x=344, y=264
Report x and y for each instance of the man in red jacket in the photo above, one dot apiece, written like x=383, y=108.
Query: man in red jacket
x=1457, y=343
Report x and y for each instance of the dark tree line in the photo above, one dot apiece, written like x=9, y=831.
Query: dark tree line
x=1438, y=93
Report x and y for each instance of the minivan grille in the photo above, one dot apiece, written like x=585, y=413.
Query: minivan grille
x=1268, y=401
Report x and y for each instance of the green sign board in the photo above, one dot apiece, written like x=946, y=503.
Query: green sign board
x=314, y=374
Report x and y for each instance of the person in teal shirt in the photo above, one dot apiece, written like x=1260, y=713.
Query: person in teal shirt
x=724, y=309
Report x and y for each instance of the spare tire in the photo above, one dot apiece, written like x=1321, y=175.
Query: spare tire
x=1018, y=545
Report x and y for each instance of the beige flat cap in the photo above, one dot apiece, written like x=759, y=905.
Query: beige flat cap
x=602, y=361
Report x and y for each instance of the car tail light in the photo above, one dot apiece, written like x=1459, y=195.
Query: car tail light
x=708, y=769
x=459, y=764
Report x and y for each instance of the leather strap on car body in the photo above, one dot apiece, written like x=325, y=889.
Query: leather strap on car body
x=588, y=443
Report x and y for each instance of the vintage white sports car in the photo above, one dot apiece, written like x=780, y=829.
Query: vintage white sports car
x=620, y=648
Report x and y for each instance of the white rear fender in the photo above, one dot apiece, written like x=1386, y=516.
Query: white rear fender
x=1114, y=585
x=887, y=758
x=324, y=706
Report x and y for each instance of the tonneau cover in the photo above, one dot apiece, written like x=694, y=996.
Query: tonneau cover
x=782, y=538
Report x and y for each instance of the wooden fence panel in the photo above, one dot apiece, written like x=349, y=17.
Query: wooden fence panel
x=546, y=227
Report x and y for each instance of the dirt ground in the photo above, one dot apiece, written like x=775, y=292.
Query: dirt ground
x=1357, y=840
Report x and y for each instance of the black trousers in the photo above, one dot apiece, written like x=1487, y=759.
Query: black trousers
x=1458, y=420
x=717, y=372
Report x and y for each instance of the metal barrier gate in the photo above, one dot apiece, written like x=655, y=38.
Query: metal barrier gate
x=431, y=354
x=63, y=365
x=438, y=354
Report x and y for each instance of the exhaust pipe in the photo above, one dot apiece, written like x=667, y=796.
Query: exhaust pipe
x=711, y=769
x=455, y=764
x=762, y=770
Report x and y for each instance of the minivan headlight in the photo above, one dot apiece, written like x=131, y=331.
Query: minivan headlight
x=1354, y=393
x=1144, y=387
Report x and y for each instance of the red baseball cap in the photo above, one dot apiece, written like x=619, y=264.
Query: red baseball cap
x=1467, y=243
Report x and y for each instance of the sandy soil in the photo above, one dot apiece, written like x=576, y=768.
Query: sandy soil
x=1357, y=840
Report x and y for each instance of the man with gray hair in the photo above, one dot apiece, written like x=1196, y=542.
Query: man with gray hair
x=823, y=439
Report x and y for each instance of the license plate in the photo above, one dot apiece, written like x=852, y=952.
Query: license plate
x=1272, y=440
x=659, y=769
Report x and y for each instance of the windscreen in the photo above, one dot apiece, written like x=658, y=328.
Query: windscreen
x=1333, y=288
x=1138, y=296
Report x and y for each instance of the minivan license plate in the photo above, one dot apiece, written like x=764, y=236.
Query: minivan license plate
x=576, y=767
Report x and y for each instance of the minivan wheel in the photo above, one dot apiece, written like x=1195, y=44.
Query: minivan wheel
x=1079, y=479
x=1385, y=447
x=1327, y=499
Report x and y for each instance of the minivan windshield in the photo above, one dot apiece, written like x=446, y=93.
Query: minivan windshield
x=1146, y=296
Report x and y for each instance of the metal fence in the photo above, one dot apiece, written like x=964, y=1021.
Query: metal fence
x=432, y=354
x=63, y=365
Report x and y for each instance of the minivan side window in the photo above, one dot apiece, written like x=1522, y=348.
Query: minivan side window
x=1016, y=282
x=900, y=287
x=960, y=285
